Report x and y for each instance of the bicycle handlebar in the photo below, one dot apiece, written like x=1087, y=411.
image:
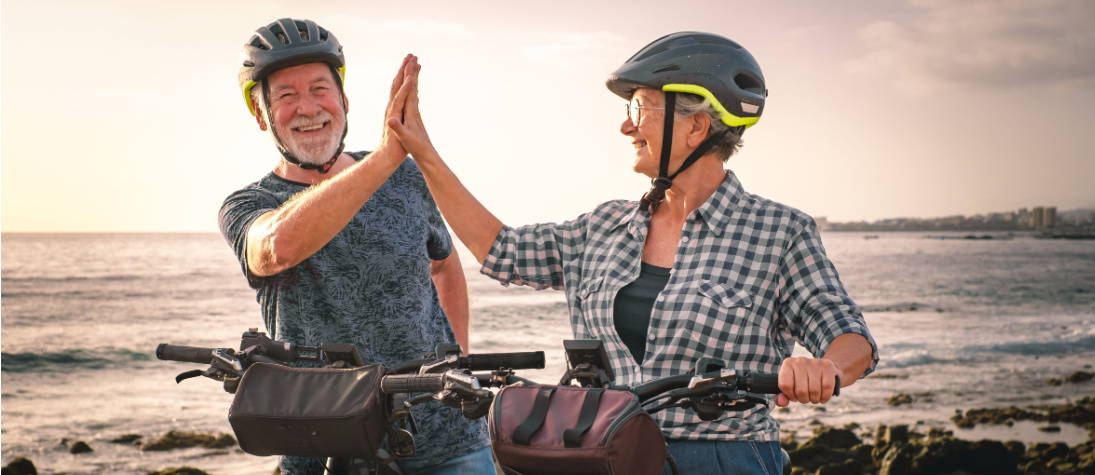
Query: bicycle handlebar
x=189, y=354
x=482, y=362
x=756, y=383
x=413, y=383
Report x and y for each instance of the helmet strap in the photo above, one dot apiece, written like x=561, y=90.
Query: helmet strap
x=658, y=186
x=288, y=156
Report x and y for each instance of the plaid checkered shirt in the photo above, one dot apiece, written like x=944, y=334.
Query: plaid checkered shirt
x=751, y=278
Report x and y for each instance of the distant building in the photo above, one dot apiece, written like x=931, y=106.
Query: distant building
x=1037, y=218
x=1049, y=217
x=822, y=223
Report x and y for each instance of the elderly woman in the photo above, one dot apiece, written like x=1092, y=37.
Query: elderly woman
x=697, y=268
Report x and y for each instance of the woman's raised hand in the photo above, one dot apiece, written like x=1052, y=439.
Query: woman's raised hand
x=408, y=126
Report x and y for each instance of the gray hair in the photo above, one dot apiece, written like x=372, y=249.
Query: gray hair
x=257, y=97
x=730, y=143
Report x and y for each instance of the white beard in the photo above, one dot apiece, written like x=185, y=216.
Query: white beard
x=314, y=150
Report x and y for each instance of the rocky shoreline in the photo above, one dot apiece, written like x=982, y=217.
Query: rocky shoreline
x=169, y=441
x=901, y=450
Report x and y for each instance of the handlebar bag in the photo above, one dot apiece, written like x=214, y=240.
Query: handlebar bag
x=313, y=412
x=568, y=429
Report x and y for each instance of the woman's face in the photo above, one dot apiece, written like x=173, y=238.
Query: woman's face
x=646, y=135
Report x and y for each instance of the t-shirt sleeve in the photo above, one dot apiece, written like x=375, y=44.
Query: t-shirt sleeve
x=813, y=301
x=237, y=213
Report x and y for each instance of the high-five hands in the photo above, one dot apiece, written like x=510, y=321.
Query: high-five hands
x=408, y=126
x=404, y=86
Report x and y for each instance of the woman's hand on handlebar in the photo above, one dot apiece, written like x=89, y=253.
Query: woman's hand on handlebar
x=806, y=380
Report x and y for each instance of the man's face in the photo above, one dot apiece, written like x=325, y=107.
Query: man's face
x=308, y=111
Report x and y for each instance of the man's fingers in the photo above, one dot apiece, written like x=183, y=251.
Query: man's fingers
x=782, y=400
x=399, y=101
x=786, y=381
x=398, y=81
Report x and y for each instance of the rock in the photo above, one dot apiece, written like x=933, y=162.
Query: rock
x=1016, y=447
x=811, y=458
x=179, y=471
x=127, y=439
x=897, y=461
x=182, y=439
x=20, y=466
x=833, y=438
x=1050, y=428
x=1079, y=377
x=949, y=455
x=899, y=399
x=79, y=447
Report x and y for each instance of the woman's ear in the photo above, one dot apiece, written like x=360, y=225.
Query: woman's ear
x=697, y=133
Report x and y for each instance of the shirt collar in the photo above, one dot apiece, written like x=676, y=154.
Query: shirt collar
x=720, y=206
x=715, y=212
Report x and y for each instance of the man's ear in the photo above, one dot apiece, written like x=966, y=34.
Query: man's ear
x=260, y=118
x=345, y=103
x=701, y=124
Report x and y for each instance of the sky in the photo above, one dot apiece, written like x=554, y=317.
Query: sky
x=125, y=116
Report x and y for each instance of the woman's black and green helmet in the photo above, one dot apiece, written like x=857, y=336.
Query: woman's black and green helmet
x=284, y=43
x=703, y=64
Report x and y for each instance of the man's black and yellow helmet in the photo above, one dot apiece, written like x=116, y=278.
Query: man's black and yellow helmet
x=284, y=43
x=703, y=64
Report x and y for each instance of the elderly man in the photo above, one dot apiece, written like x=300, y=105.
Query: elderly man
x=347, y=247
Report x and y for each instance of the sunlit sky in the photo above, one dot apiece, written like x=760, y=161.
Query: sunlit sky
x=125, y=115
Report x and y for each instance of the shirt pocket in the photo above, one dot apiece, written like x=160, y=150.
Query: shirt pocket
x=718, y=321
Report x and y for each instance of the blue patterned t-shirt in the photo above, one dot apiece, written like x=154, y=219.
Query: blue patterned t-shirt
x=369, y=286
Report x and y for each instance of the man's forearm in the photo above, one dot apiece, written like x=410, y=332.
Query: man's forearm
x=452, y=291
x=286, y=236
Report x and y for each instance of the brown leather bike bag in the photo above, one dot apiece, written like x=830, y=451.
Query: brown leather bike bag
x=573, y=430
x=313, y=412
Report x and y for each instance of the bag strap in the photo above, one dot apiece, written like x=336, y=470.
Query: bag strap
x=524, y=432
x=572, y=438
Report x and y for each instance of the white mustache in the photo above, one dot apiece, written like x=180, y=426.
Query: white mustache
x=302, y=122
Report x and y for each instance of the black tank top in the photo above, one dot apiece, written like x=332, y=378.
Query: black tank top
x=633, y=305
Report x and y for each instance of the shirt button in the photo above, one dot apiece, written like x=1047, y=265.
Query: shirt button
x=684, y=239
x=650, y=337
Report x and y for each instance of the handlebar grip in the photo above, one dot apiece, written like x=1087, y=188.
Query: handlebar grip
x=768, y=383
x=762, y=383
x=412, y=383
x=190, y=354
x=493, y=361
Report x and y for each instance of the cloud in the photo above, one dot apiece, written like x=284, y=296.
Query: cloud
x=1006, y=43
x=559, y=46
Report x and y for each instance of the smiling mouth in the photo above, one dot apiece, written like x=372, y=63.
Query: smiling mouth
x=311, y=127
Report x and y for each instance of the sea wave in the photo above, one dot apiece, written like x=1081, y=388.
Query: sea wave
x=69, y=360
x=904, y=355
x=1040, y=348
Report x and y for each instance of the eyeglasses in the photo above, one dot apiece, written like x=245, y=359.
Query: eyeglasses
x=635, y=110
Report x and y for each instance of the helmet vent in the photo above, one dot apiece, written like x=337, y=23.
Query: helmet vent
x=666, y=69
x=749, y=83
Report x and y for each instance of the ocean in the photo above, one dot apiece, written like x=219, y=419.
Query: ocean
x=960, y=324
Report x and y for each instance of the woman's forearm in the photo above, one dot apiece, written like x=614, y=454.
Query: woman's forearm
x=472, y=222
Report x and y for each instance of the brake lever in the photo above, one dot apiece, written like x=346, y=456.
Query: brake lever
x=194, y=373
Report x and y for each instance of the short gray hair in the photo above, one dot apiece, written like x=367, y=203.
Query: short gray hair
x=730, y=142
